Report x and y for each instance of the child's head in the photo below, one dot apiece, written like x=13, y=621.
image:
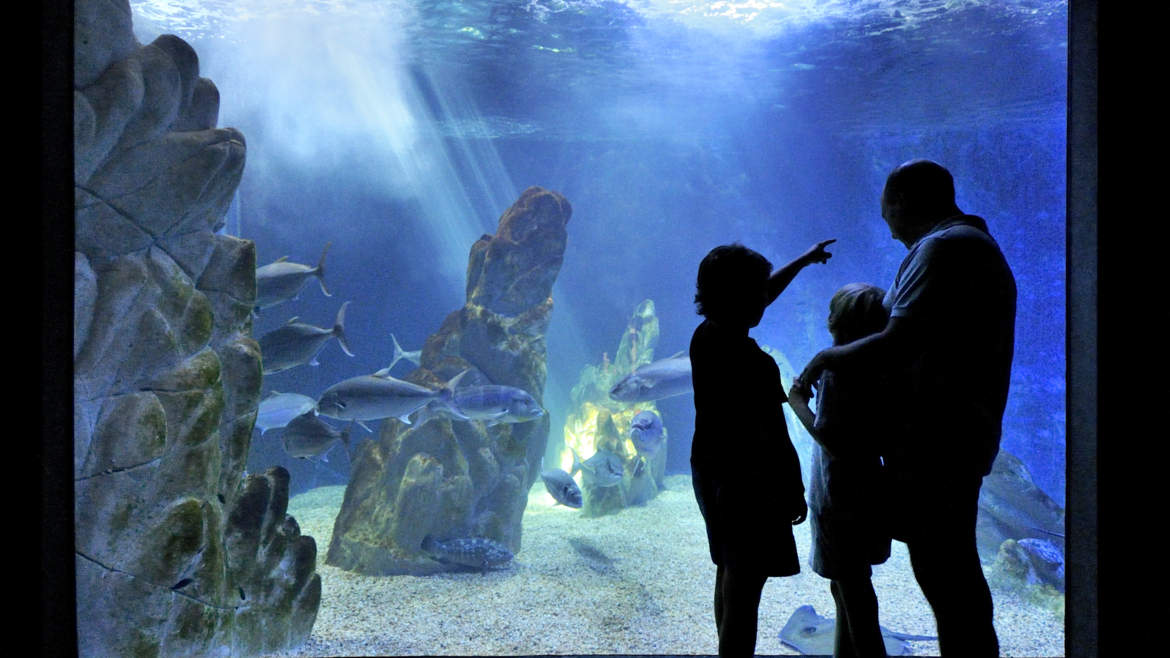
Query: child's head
x=732, y=286
x=856, y=311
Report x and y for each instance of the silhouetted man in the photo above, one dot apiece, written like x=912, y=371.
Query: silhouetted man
x=949, y=343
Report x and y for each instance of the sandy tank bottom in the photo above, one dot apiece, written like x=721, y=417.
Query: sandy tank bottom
x=637, y=582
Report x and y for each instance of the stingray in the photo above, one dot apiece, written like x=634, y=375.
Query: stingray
x=812, y=635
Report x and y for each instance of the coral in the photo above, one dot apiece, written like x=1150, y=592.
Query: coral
x=458, y=479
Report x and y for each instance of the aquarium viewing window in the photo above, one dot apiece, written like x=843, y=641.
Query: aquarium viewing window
x=382, y=309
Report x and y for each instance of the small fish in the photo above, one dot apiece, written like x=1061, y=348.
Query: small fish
x=604, y=468
x=281, y=280
x=562, y=487
x=654, y=381
x=297, y=343
x=279, y=408
x=373, y=397
x=476, y=552
x=400, y=354
x=308, y=436
x=646, y=432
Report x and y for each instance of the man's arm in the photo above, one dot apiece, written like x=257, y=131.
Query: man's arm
x=899, y=343
x=780, y=279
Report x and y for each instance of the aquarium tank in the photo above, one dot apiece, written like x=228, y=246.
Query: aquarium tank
x=393, y=268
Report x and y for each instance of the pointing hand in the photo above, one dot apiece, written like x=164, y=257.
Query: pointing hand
x=817, y=253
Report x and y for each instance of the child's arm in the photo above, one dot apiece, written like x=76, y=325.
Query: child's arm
x=798, y=395
x=780, y=279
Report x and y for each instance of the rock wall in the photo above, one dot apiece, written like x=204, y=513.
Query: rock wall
x=177, y=551
x=455, y=479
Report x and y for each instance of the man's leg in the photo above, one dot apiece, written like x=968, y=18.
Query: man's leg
x=946, y=564
x=858, y=632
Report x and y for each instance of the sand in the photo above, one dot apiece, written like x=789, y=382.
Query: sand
x=647, y=590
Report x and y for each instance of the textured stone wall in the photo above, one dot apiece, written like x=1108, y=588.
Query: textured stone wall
x=456, y=479
x=177, y=552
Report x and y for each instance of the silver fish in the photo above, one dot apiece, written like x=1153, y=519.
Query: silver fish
x=400, y=354
x=373, y=397
x=307, y=436
x=280, y=280
x=562, y=487
x=477, y=552
x=646, y=432
x=489, y=403
x=278, y=409
x=604, y=469
x=297, y=343
x=654, y=381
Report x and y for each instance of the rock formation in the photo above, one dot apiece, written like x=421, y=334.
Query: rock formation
x=177, y=552
x=453, y=479
x=598, y=422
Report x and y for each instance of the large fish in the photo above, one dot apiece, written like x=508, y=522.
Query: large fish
x=278, y=409
x=476, y=552
x=646, y=432
x=307, y=436
x=604, y=468
x=812, y=634
x=400, y=354
x=562, y=487
x=297, y=343
x=490, y=403
x=654, y=381
x=373, y=397
x=280, y=281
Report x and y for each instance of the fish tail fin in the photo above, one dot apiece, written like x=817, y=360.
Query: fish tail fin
x=576, y=463
x=339, y=329
x=320, y=270
x=398, y=353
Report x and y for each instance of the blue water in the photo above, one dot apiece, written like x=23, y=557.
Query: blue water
x=401, y=132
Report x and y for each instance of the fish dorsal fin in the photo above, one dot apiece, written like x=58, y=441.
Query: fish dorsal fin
x=281, y=259
x=678, y=354
x=292, y=319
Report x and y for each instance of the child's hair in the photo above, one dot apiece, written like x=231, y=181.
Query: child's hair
x=728, y=275
x=856, y=311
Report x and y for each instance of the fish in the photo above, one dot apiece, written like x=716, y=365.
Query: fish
x=646, y=432
x=812, y=634
x=656, y=380
x=562, y=487
x=307, y=436
x=490, y=403
x=1047, y=561
x=278, y=409
x=604, y=468
x=373, y=397
x=280, y=280
x=297, y=343
x=399, y=354
x=475, y=552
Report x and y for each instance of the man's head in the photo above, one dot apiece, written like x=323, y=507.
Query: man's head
x=918, y=194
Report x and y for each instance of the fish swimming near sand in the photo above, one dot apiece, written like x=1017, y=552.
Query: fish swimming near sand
x=308, y=437
x=278, y=409
x=604, y=468
x=475, y=552
x=374, y=397
x=646, y=432
x=562, y=487
x=656, y=380
x=280, y=280
x=399, y=354
x=297, y=343
x=812, y=634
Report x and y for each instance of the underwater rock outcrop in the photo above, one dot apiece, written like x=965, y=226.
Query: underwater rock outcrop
x=177, y=553
x=448, y=479
x=596, y=423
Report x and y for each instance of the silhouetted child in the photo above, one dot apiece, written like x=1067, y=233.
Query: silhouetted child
x=846, y=483
x=745, y=471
